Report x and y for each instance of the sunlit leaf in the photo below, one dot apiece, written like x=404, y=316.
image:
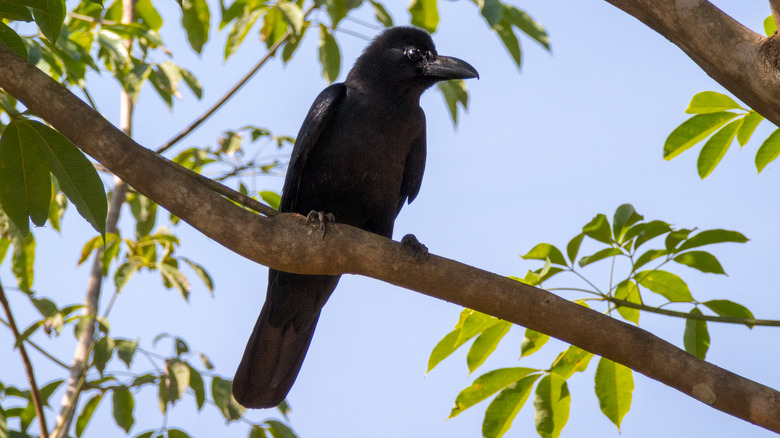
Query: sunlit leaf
x=381, y=14
x=716, y=147
x=329, y=55
x=486, y=344
x=544, y=251
x=504, y=408
x=625, y=217
x=23, y=260
x=701, y=260
x=221, y=393
x=425, y=14
x=527, y=25
x=709, y=237
x=532, y=342
x=570, y=361
x=552, y=402
x=646, y=231
x=239, y=30
x=711, y=102
x=666, y=284
x=508, y=37
x=178, y=379
x=273, y=199
x=614, y=389
x=769, y=150
x=694, y=130
x=696, y=337
x=770, y=27
x=730, y=308
x=749, y=125
x=195, y=19
x=455, y=94
x=279, y=429
x=598, y=229
x=86, y=413
x=628, y=291
x=486, y=385
x=599, y=255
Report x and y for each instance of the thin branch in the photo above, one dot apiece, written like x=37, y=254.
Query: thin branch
x=230, y=93
x=36, y=394
x=685, y=315
x=39, y=348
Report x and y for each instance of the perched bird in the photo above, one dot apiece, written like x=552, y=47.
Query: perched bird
x=360, y=155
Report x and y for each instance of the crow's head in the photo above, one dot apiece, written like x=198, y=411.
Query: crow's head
x=403, y=60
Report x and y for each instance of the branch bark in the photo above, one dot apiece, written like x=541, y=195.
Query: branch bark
x=744, y=62
x=285, y=242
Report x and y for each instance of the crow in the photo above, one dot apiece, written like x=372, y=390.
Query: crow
x=359, y=156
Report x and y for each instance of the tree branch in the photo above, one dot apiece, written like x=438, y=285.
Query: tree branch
x=742, y=61
x=36, y=394
x=286, y=243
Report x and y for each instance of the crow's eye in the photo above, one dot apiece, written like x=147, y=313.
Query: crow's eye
x=413, y=53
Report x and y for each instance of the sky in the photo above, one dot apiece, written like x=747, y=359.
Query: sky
x=541, y=150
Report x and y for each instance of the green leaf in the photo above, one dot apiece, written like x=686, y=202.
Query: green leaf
x=508, y=37
x=178, y=379
x=532, y=342
x=123, y=405
x=86, y=413
x=274, y=27
x=570, y=361
x=768, y=151
x=50, y=18
x=492, y=10
x=271, y=198
x=701, y=260
x=172, y=276
x=749, y=125
x=257, y=432
x=114, y=47
x=25, y=184
x=293, y=15
x=600, y=255
x=552, y=402
x=195, y=19
x=22, y=261
x=48, y=390
x=381, y=14
x=133, y=79
x=545, y=251
x=196, y=383
x=124, y=272
x=454, y=93
x=201, y=272
x=12, y=39
x=221, y=392
x=75, y=174
x=708, y=102
x=425, y=14
x=486, y=344
x=666, y=284
x=715, y=148
x=177, y=433
x=102, y=352
x=628, y=291
x=694, y=130
x=15, y=12
x=709, y=237
x=279, y=429
x=527, y=25
x=125, y=350
x=646, y=231
x=730, y=308
x=240, y=29
x=770, y=27
x=614, y=389
x=696, y=338
x=504, y=408
x=471, y=323
x=486, y=385
x=148, y=15
x=625, y=217
x=598, y=229
x=329, y=55
x=192, y=82
x=675, y=237
x=573, y=248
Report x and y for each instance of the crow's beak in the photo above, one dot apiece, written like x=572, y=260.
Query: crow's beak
x=446, y=67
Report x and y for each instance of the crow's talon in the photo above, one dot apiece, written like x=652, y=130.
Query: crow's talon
x=412, y=244
x=321, y=217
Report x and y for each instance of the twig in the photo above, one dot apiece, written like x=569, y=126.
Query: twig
x=36, y=394
x=723, y=319
x=197, y=122
x=39, y=349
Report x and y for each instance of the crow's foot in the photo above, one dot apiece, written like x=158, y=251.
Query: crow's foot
x=417, y=249
x=321, y=217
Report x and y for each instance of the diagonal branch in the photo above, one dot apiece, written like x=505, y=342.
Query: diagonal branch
x=286, y=243
x=744, y=62
x=36, y=394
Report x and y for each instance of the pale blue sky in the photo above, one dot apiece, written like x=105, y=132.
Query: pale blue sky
x=540, y=152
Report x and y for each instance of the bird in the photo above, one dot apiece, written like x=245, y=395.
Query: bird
x=359, y=156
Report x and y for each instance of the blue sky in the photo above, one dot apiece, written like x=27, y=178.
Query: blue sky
x=577, y=132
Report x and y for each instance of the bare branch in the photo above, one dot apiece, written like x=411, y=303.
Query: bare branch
x=741, y=60
x=286, y=243
x=36, y=394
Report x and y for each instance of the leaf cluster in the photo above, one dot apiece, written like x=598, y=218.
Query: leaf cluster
x=627, y=238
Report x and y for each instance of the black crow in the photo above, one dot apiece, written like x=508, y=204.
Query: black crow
x=360, y=155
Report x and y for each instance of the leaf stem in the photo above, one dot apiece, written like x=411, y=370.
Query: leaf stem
x=36, y=394
x=685, y=315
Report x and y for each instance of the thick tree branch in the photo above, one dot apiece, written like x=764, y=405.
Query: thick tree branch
x=744, y=62
x=285, y=242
